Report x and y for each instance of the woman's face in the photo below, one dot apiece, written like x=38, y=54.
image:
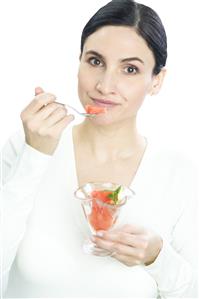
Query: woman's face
x=115, y=72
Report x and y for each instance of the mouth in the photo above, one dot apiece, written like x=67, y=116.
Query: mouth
x=104, y=103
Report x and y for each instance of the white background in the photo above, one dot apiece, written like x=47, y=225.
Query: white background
x=40, y=45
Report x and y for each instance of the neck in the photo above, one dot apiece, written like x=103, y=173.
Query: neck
x=112, y=142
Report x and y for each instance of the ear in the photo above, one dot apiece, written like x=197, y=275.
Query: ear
x=157, y=82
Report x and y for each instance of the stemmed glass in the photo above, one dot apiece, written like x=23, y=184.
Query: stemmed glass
x=101, y=203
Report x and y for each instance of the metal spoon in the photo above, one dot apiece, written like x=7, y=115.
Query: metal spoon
x=80, y=113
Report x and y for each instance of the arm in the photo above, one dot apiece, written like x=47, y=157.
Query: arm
x=172, y=263
x=175, y=269
x=22, y=168
x=24, y=164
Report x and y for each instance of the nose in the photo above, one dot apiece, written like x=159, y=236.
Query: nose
x=106, y=84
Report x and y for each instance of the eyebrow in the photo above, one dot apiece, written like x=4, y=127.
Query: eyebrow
x=122, y=60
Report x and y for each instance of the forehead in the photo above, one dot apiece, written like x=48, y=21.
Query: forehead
x=118, y=41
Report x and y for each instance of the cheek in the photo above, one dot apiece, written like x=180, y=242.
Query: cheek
x=134, y=94
x=85, y=83
x=136, y=98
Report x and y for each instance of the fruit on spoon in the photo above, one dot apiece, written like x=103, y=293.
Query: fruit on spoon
x=94, y=109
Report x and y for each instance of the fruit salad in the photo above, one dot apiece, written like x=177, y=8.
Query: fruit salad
x=104, y=211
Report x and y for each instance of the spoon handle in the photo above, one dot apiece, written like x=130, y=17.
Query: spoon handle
x=80, y=113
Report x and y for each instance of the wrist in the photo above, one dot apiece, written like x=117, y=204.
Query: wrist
x=157, y=252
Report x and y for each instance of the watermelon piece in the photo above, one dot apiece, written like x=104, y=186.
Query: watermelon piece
x=102, y=217
x=94, y=109
x=103, y=196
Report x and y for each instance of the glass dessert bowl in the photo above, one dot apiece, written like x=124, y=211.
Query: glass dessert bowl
x=101, y=203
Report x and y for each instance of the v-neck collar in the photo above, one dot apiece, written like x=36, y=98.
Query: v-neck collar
x=137, y=177
x=142, y=165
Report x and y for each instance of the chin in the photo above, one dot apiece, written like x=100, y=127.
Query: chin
x=104, y=120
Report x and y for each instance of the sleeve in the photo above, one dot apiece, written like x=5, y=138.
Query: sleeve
x=22, y=170
x=175, y=270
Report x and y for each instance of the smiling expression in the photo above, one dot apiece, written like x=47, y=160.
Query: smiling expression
x=115, y=72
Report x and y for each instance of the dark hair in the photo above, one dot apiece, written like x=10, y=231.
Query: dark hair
x=144, y=19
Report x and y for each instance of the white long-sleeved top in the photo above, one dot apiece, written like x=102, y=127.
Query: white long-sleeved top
x=44, y=227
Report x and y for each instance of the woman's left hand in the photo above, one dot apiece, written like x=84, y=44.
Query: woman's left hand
x=131, y=244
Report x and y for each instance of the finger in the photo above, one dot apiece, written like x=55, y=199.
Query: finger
x=100, y=252
x=58, y=114
x=128, y=228
x=38, y=90
x=126, y=250
x=131, y=228
x=104, y=244
x=48, y=110
x=63, y=123
x=39, y=102
x=116, y=247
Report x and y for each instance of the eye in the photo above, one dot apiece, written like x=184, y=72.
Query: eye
x=94, y=61
x=131, y=70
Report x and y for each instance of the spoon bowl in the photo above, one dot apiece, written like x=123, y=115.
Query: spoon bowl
x=80, y=113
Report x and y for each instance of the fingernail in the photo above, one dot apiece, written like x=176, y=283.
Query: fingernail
x=38, y=90
x=99, y=234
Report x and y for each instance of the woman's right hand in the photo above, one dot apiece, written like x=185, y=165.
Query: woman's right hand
x=44, y=121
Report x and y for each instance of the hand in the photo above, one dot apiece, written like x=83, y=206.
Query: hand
x=44, y=121
x=131, y=244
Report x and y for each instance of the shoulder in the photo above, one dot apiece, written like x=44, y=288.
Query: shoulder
x=175, y=173
x=170, y=156
x=171, y=164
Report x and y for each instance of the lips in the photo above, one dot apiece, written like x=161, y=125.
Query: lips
x=104, y=102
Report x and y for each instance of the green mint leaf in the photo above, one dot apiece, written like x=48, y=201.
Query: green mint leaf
x=114, y=195
x=116, y=192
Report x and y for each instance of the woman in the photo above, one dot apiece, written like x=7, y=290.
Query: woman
x=123, y=54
